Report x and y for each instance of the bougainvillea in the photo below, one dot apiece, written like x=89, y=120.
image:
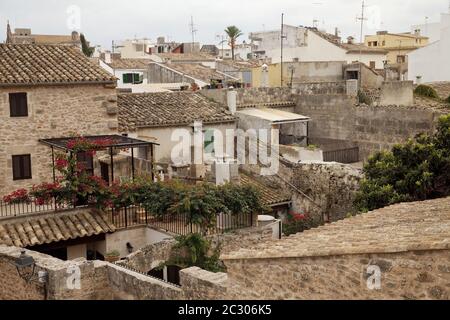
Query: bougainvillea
x=18, y=196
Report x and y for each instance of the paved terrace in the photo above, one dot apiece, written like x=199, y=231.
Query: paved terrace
x=400, y=228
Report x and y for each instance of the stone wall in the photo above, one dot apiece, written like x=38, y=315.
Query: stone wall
x=331, y=186
x=94, y=282
x=251, y=95
x=409, y=275
x=372, y=128
x=334, y=87
x=54, y=111
x=13, y=287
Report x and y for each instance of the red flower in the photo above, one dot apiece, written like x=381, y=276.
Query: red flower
x=61, y=163
x=298, y=216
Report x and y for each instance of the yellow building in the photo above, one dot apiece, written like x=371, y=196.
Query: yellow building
x=398, y=44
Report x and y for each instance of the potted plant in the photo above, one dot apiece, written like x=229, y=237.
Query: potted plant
x=112, y=256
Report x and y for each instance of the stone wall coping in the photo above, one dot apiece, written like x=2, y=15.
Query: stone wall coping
x=415, y=226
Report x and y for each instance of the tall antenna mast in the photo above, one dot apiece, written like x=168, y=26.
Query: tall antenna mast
x=192, y=29
x=362, y=19
x=283, y=36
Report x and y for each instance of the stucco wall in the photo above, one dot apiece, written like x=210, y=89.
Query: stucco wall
x=163, y=136
x=56, y=111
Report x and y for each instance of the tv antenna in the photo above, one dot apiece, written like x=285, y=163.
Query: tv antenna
x=193, y=30
x=362, y=19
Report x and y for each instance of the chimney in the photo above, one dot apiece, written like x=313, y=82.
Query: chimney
x=232, y=100
x=108, y=57
x=75, y=36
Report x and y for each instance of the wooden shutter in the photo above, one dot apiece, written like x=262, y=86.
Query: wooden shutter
x=18, y=104
x=21, y=167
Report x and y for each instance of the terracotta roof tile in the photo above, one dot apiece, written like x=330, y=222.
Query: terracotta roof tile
x=197, y=71
x=168, y=109
x=398, y=228
x=271, y=194
x=23, y=64
x=36, y=230
x=125, y=64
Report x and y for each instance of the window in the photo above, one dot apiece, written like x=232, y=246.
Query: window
x=86, y=161
x=21, y=167
x=401, y=59
x=18, y=104
x=372, y=64
x=134, y=78
x=209, y=141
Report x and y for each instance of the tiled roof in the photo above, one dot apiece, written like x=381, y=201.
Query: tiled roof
x=23, y=64
x=275, y=104
x=183, y=57
x=43, y=229
x=241, y=65
x=403, y=227
x=168, y=109
x=197, y=71
x=120, y=63
x=351, y=48
x=442, y=88
x=271, y=194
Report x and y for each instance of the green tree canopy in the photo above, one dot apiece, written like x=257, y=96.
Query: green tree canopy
x=413, y=171
x=233, y=34
x=87, y=50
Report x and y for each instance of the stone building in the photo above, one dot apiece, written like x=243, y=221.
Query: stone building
x=25, y=36
x=156, y=116
x=47, y=92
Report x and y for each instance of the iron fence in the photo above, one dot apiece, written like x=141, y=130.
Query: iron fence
x=25, y=208
x=350, y=155
x=136, y=215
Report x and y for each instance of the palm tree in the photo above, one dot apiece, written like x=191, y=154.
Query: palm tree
x=233, y=33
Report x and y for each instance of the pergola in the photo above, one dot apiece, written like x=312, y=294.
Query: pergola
x=117, y=141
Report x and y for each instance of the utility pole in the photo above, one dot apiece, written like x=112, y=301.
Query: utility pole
x=193, y=30
x=362, y=18
x=282, y=44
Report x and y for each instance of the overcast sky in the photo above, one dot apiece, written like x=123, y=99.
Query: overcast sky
x=105, y=20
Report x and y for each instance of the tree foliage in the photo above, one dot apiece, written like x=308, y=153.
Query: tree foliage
x=413, y=171
x=426, y=91
x=233, y=34
x=87, y=50
x=195, y=251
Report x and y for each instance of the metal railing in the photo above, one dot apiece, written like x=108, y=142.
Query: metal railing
x=178, y=224
x=350, y=155
x=25, y=208
x=136, y=215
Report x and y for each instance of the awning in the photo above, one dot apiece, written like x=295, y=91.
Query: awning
x=35, y=230
x=115, y=141
x=274, y=115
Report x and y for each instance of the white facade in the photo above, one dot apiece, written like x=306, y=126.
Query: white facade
x=306, y=46
x=430, y=30
x=135, y=49
x=431, y=63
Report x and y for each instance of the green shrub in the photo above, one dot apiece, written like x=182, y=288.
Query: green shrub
x=364, y=98
x=426, y=91
x=194, y=250
x=414, y=171
x=448, y=100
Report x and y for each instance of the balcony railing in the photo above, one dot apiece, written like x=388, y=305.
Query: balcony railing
x=136, y=215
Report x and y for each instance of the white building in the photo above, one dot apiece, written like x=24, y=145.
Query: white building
x=135, y=49
x=431, y=63
x=309, y=44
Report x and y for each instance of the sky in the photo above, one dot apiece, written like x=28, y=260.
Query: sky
x=103, y=21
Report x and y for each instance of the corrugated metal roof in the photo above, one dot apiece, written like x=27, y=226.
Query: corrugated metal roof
x=274, y=115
